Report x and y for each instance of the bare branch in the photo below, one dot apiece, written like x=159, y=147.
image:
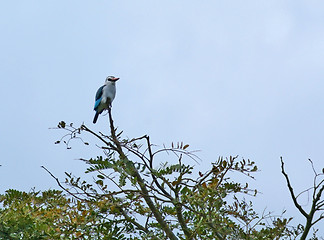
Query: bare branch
x=292, y=191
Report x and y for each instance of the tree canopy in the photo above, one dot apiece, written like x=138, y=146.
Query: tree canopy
x=143, y=191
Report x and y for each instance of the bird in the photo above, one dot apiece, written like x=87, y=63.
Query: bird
x=104, y=96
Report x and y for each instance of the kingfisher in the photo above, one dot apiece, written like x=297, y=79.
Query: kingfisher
x=104, y=96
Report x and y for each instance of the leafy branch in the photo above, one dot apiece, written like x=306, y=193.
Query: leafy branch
x=159, y=195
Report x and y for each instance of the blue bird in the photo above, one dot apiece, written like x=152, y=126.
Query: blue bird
x=104, y=96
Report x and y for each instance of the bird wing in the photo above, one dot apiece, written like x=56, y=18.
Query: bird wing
x=98, y=97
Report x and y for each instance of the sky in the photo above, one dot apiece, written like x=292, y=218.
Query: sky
x=227, y=77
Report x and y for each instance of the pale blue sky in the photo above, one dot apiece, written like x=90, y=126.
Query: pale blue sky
x=228, y=77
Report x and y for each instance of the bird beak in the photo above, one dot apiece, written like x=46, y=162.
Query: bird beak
x=115, y=79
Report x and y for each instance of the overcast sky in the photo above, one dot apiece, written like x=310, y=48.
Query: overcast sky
x=228, y=77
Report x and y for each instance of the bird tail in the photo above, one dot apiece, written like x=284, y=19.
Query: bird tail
x=95, y=117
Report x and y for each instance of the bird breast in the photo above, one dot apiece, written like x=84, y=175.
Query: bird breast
x=109, y=92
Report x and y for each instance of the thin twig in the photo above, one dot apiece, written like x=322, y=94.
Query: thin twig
x=60, y=185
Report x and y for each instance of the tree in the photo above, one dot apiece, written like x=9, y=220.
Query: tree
x=317, y=205
x=52, y=215
x=163, y=200
x=143, y=191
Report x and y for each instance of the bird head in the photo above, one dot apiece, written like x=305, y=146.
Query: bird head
x=111, y=79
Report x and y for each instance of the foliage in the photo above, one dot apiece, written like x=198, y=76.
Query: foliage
x=51, y=215
x=143, y=191
x=155, y=198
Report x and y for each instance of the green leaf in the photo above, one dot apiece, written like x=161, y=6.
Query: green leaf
x=100, y=176
x=99, y=182
x=61, y=124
